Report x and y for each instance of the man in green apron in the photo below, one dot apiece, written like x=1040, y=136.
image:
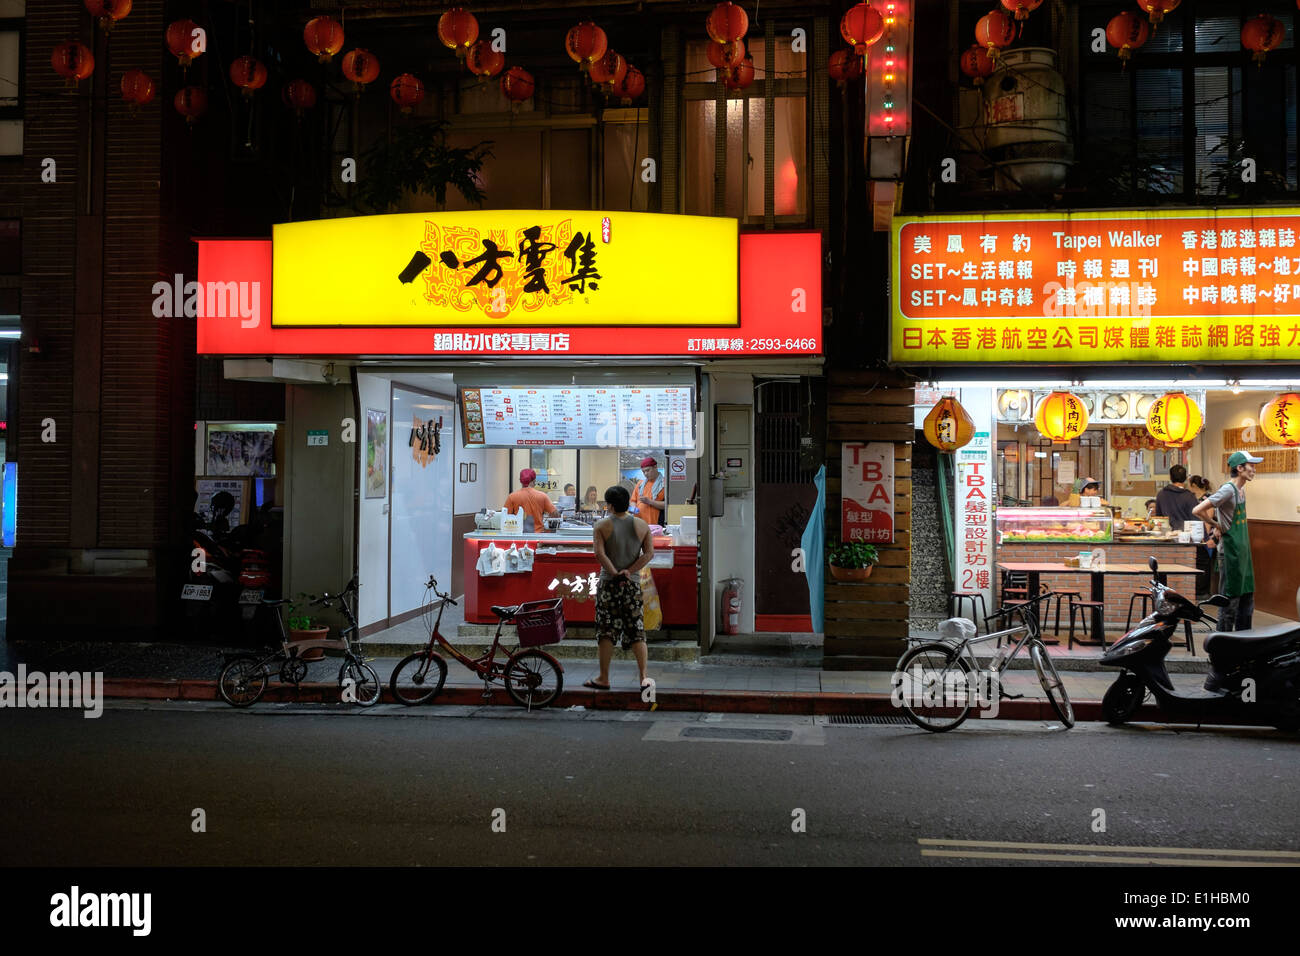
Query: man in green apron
x=1226, y=508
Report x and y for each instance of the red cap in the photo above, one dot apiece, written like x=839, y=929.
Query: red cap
x=648, y=461
x=527, y=476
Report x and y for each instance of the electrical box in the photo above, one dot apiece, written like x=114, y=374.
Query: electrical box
x=735, y=447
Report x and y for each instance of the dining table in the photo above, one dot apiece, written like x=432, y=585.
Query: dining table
x=1033, y=570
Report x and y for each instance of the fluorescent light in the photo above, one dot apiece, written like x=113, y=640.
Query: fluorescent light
x=10, y=333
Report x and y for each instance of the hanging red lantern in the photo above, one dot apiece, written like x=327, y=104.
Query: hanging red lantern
x=948, y=426
x=1061, y=417
x=183, y=41
x=727, y=22
x=1126, y=32
x=484, y=61
x=73, y=61
x=361, y=67
x=631, y=86
x=977, y=64
x=1022, y=8
x=298, y=95
x=844, y=66
x=407, y=92
x=741, y=75
x=517, y=84
x=324, y=37
x=108, y=12
x=1280, y=419
x=995, y=31
x=1261, y=34
x=861, y=27
x=249, y=74
x=137, y=88
x=191, y=102
x=608, y=69
x=1157, y=9
x=584, y=43
x=458, y=29
x=724, y=56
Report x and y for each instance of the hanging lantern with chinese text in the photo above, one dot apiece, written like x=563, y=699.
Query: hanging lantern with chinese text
x=108, y=12
x=407, y=91
x=1061, y=417
x=630, y=87
x=1157, y=9
x=361, y=67
x=1022, y=8
x=298, y=95
x=949, y=426
x=191, y=102
x=1261, y=34
x=1280, y=420
x=861, y=26
x=977, y=64
x=137, y=87
x=517, y=84
x=458, y=29
x=483, y=61
x=608, y=70
x=995, y=31
x=1174, y=420
x=727, y=22
x=324, y=37
x=184, y=40
x=844, y=66
x=585, y=43
x=249, y=74
x=741, y=75
x=73, y=61
x=1126, y=32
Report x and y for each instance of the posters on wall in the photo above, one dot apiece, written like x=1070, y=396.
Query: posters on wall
x=376, y=453
x=867, y=492
x=242, y=453
x=237, y=488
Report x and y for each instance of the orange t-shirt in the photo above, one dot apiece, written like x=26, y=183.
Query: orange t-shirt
x=647, y=514
x=535, y=502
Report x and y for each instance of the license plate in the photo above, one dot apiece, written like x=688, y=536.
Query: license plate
x=196, y=592
x=251, y=596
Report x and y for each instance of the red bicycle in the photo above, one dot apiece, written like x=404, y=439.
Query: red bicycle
x=532, y=677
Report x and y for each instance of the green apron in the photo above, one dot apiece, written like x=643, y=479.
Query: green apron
x=1238, y=572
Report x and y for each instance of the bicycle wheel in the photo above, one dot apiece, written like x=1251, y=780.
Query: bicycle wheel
x=533, y=679
x=932, y=683
x=418, y=678
x=366, y=687
x=242, y=681
x=1052, y=683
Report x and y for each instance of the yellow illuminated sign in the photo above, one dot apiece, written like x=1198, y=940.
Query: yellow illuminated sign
x=507, y=268
x=1150, y=285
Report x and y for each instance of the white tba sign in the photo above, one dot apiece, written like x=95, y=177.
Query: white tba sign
x=867, y=492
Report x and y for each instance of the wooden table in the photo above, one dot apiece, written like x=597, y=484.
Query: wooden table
x=1033, y=570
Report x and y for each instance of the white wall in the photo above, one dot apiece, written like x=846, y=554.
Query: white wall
x=731, y=537
x=372, y=551
x=1269, y=497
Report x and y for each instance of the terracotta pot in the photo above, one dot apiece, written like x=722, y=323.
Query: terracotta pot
x=851, y=574
x=311, y=634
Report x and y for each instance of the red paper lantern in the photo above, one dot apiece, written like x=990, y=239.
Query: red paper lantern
x=191, y=102
x=724, y=56
x=108, y=12
x=976, y=63
x=1261, y=34
x=249, y=74
x=457, y=29
x=324, y=37
x=741, y=75
x=631, y=86
x=181, y=41
x=995, y=31
x=298, y=95
x=407, y=91
x=584, y=43
x=137, y=88
x=727, y=22
x=484, y=61
x=73, y=61
x=361, y=67
x=861, y=27
x=517, y=84
x=948, y=426
x=608, y=69
x=1127, y=31
x=844, y=66
x=1022, y=8
x=1157, y=9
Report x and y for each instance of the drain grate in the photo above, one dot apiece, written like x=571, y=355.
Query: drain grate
x=737, y=733
x=871, y=719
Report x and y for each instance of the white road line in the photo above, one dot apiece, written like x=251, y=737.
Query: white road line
x=1094, y=848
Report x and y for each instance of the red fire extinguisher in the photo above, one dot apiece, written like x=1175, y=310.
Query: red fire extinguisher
x=731, y=606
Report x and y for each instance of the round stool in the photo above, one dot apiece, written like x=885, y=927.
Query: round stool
x=956, y=601
x=1145, y=597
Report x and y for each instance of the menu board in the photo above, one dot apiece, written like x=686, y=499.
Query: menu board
x=623, y=416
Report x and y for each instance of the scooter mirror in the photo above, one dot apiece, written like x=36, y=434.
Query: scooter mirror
x=1218, y=600
x=1152, y=564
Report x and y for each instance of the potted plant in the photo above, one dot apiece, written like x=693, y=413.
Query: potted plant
x=304, y=627
x=852, y=560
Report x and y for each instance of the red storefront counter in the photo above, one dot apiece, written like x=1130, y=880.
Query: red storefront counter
x=676, y=584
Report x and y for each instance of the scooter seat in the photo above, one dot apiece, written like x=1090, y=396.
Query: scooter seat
x=1233, y=647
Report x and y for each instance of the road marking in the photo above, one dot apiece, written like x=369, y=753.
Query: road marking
x=1092, y=853
x=739, y=731
x=1085, y=858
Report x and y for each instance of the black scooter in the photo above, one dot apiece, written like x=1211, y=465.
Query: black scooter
x=1254, y=675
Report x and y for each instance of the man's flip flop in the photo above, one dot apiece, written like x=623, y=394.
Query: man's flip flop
x=594, y=685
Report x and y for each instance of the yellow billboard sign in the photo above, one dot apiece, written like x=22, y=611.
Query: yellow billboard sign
x=1152, y=285
x=507, y=268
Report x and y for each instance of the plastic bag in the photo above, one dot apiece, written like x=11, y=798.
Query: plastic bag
x=652, y=615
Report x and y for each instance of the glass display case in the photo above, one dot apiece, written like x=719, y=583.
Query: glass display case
x=1064, y=525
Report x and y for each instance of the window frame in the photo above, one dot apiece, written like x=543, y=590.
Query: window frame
x=17, y=25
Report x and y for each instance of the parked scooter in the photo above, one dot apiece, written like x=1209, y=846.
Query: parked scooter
x=1254, y=675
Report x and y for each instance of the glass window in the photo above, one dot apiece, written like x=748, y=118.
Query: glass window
x=9, y=68
x=626, y=145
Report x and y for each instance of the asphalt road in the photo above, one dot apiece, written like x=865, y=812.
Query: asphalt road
x=286, y=785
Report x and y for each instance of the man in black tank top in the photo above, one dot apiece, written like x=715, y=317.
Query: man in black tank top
x=623, y=548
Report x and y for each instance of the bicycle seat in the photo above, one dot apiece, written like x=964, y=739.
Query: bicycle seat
x=505, y=613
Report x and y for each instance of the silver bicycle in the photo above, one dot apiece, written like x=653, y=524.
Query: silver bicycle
x=938, y=682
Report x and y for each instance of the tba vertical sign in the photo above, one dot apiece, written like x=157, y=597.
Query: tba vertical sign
x=867, y=492
x=974, y=539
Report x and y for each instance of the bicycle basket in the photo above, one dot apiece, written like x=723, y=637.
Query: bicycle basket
x=540, y=622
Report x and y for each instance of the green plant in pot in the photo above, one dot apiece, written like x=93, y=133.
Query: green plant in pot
x=304, y=627
x=852, y=560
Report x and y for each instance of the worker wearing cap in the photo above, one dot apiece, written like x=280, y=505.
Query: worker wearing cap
x=1226, y=509
x=648, y=495
x=536, y=503
x=1090, y=488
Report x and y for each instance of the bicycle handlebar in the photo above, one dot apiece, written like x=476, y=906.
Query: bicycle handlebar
x=432, y=585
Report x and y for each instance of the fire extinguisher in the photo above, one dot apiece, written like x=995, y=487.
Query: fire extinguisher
x=731, y=606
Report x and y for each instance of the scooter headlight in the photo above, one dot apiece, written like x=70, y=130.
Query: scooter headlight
x=1134, y=647
x=1165, y=607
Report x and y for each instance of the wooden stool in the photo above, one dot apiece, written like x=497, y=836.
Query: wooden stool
x=1060, y=595
x=956, y=600
x=1145, y=597
x=1085, y=609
